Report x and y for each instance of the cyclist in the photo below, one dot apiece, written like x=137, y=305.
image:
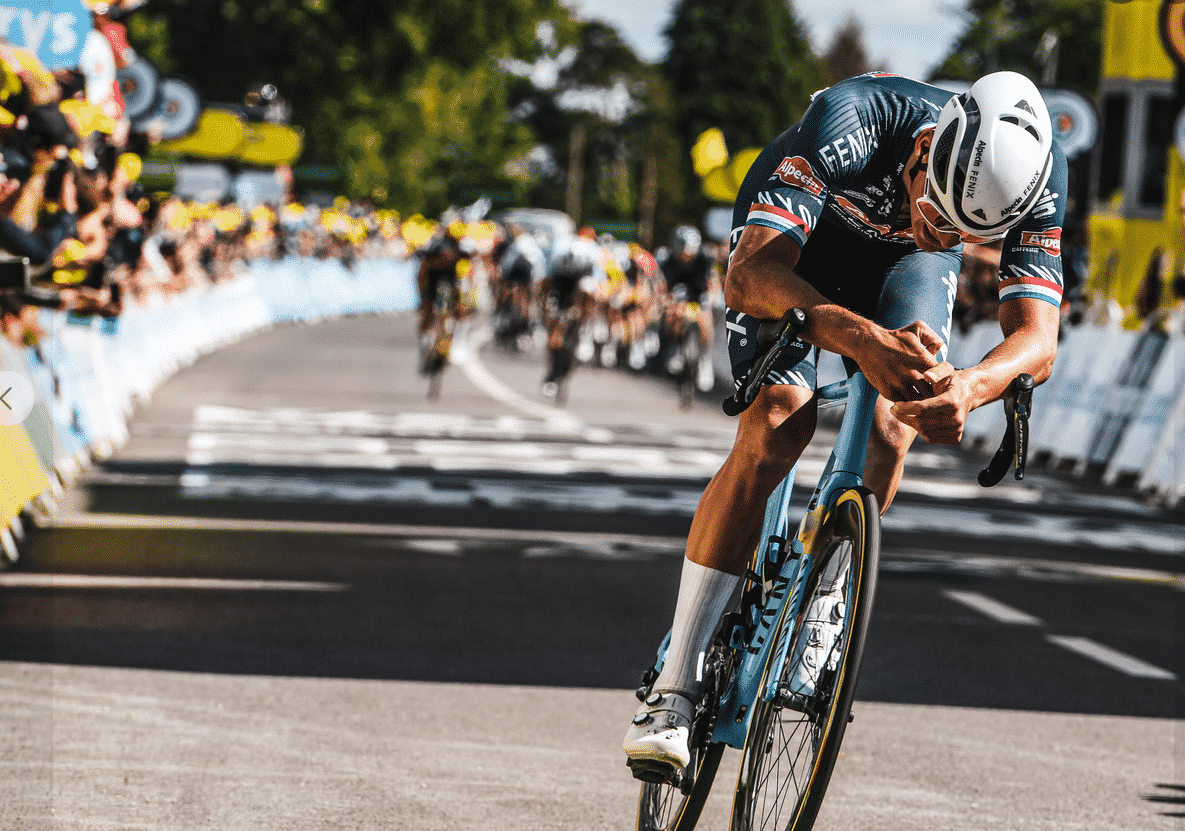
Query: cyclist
x=688, y=268
x=439, y=259
x=633, y=301
x=572, y=279
x=520, y=267
x=857, y=214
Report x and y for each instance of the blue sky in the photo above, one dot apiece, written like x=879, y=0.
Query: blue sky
x=893, y=35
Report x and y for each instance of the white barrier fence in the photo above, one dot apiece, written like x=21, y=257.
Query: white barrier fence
x=88, y=373
x=1113, y=408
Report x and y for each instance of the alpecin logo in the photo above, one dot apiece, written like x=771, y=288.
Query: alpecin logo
x=1050, y=241
x=797, y=171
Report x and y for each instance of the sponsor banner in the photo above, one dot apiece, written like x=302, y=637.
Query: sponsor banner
x=54, y=30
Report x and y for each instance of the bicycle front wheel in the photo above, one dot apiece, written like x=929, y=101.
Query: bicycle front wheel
x=794, y=739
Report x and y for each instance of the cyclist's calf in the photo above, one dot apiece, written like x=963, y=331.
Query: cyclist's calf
x=888, y=442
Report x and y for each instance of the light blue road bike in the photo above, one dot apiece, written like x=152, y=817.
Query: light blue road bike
x=761, y=697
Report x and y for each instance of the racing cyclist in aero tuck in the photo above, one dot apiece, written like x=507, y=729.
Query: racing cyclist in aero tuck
x=858, y=215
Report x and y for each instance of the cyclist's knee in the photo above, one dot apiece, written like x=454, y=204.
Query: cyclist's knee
x=888, y=434
x=777, y=427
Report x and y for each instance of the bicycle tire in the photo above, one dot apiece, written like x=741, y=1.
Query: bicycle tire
x=664, y=806
x=791, y=746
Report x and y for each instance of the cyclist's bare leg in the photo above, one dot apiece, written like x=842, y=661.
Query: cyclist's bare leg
x=705, y=327
x=771, y=436
x=888, y=443
x=426, y=308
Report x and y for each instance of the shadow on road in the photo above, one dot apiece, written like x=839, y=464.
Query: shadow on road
x=464, y=608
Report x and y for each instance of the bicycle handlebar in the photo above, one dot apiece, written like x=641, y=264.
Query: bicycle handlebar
x=1014, y=447
x=788, y=328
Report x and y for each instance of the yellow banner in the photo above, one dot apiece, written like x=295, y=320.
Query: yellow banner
x=218, y=135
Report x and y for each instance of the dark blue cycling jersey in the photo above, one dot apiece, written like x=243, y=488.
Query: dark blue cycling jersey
x=843, y=164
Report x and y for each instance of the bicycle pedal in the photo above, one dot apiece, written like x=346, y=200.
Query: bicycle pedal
x=656, y=773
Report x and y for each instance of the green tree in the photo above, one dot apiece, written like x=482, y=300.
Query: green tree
x=600, y=122
x=407, y=98
x=744, y=66
x=1008, y=34
x=847, y=56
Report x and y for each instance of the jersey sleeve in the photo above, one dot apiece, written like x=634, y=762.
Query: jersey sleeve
x=1031, y=259
x=793, y=197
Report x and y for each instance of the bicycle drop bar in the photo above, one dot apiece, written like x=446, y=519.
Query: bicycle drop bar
x=1014, y=448
x=788, y=328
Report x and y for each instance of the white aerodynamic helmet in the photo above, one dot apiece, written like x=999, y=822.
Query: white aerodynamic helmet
x=990, y=158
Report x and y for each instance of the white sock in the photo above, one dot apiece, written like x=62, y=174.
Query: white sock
x=704, y=595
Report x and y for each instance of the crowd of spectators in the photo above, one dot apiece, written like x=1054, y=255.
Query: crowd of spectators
x=80, y=231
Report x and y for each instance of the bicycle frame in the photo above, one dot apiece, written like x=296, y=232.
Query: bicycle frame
x=783, y=564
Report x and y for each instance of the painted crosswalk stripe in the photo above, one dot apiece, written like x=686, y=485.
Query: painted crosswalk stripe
x=1111, y=657
x=101, y=581
x=994, y=609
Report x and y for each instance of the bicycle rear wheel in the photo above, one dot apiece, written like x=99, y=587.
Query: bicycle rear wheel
x=667, y=806
x=794, y=739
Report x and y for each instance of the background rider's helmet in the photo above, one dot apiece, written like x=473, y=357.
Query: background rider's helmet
x=684, y=238
x=990, y=158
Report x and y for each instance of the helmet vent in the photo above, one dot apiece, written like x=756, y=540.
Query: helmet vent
x=1024, y=105
x=979, y=213
x=940, y=161
x=1029, y=128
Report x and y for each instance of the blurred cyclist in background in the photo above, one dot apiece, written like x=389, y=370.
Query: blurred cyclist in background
x=521, y=267
x=439, y=259
x=688, y=269
x=567, y=294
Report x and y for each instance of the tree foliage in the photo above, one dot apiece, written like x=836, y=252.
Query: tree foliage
x=847, y=56
x=407, y=98
x=1007, y=34
x=744, y=66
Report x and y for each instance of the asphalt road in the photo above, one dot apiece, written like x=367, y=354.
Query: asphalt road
x=305, y=597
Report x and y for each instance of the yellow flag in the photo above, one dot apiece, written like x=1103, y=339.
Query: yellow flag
x=742, y=162
x=719, y=185
x=709, y=152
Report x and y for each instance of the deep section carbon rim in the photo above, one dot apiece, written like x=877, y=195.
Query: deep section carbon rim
x=794, y=740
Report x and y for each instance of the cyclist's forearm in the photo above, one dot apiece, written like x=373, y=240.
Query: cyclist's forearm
x=770, y=295
x=761, y=282
x=1030, y=345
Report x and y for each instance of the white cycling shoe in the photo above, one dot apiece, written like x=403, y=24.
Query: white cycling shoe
x=815, y=647
x=659, y=731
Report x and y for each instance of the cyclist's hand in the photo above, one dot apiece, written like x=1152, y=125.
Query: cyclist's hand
x=941, y=418
x=897, y=363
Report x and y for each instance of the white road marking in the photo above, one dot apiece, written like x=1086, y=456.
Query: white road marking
x=99, y=581
x=465, y=355
x=366, y=529
x=1065, y=530
x=1111, y=657
x=994, y=609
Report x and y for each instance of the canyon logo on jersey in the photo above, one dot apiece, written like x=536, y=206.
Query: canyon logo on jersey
x=797, y=172
x=1048, y=241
